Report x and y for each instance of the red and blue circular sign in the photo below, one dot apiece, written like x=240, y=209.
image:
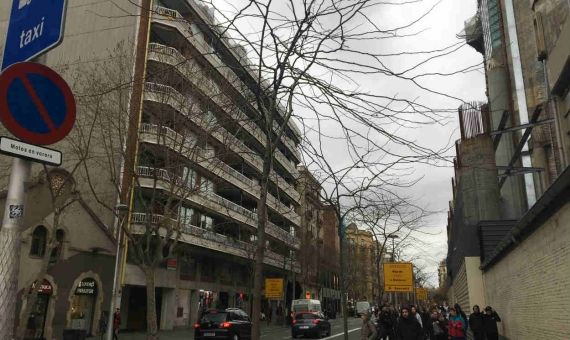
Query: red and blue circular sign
x=36, y=104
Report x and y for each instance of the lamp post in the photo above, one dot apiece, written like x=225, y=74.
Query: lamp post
x=121, y=210
x=393, y=237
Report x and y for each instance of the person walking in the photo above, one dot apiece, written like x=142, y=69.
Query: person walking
x=439, y=326
x=386, y=320
x=461, y=313
x=490, y=319
x=368, y=330
x=456, y=326
x=416, y=315
x=116, y=323
x=408, y=327
x=476, y=323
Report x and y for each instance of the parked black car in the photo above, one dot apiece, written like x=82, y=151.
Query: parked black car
x=231, y=323
x=310, y=324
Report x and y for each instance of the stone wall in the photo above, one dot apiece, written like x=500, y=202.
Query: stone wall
x=529, y=286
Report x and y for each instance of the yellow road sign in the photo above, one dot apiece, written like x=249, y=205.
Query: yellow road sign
x=421, y=293
x=274, y=288
x=398, y=277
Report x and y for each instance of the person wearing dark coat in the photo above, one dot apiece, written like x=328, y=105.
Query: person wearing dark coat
x=386, y=321
x=408, y=328
x=490, y=319
x=476, y=323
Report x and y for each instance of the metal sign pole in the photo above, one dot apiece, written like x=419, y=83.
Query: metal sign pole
x=10, y=241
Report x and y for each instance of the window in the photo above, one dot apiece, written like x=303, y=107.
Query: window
x=39, y=237
x=207, y=185
x=186, y=216
x=206, y=222
x=56, y=252
x=189, y=177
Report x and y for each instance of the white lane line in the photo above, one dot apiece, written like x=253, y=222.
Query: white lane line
x=342, y=333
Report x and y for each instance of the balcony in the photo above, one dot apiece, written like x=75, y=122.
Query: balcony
x=173, y=18
x=193, y=74
x=164, y=94
x=211, y=240
x=162, y=179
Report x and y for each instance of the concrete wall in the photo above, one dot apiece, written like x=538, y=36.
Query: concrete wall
x=529, y=287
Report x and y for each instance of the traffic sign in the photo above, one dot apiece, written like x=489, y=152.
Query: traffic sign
x=398, y=277
x=34, y=27
x=36, y=104
x=274, y=288
x=32, y=152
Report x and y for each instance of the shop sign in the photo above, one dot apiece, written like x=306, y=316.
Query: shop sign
x=86, y=287
x=44, y=288
x=171, y=264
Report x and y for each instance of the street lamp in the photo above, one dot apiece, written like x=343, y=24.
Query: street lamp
x=121, y=211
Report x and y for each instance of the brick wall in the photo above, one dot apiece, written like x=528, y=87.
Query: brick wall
x=530, y=286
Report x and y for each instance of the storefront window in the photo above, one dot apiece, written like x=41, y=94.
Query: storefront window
x=83, y=305
x=36, y=322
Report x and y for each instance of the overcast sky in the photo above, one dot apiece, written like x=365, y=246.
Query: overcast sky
x=437, y=30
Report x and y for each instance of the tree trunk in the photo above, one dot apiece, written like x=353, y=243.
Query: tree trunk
x=151, y=322
x=342, y=281
x=258, y=266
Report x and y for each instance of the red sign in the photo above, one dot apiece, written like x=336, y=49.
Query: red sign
x=44, y=288
x=36, y=104
x=171, y=264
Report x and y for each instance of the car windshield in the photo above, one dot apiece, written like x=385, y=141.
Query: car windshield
x=308, y=316
x=214, y=317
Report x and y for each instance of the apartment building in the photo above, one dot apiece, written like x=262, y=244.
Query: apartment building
x=509, y=218
x=187, y=153
x=360, y=255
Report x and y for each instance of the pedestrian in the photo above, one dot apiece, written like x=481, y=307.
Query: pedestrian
x=408, y=327
x=462, y=314
x=436, y=326
x=490, y=319
x=456, y=325
x=368, y=330
x=116, y=323
x=386, y=320
x=416, y=315
x=269, y=315
x=445, y=309
x=476, y=323
x=103, y=325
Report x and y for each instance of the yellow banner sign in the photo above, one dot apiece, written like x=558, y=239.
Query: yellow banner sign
x=421, y=293
x=398, y=277
x=274, y=288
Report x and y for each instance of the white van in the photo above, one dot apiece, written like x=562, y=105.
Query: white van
x=362, y=307
x=305, y=305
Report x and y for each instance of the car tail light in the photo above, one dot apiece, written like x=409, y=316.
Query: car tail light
x=196, y=325
x=315, y=321
x=225, y=325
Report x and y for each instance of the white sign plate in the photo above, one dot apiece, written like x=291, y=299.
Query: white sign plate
x=36, y=153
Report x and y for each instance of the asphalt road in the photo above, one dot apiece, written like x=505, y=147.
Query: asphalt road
x=283, y=333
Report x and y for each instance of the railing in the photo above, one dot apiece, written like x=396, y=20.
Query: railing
x=231, y=205
x=282, y=234
x=210, y=235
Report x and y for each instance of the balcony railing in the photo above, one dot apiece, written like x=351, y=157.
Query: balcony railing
x=246, y=248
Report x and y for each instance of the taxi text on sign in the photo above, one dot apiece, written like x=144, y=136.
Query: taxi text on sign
x=274, y=288
x=398, y=277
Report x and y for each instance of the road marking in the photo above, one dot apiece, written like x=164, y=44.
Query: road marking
x=339, y=334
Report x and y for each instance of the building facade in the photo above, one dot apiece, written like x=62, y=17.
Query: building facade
x=191, y=162
x=512, y=172
x=442, y=273
x=360, y=271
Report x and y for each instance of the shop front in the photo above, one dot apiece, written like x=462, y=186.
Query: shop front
x=36, y=325
x=83, y=306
